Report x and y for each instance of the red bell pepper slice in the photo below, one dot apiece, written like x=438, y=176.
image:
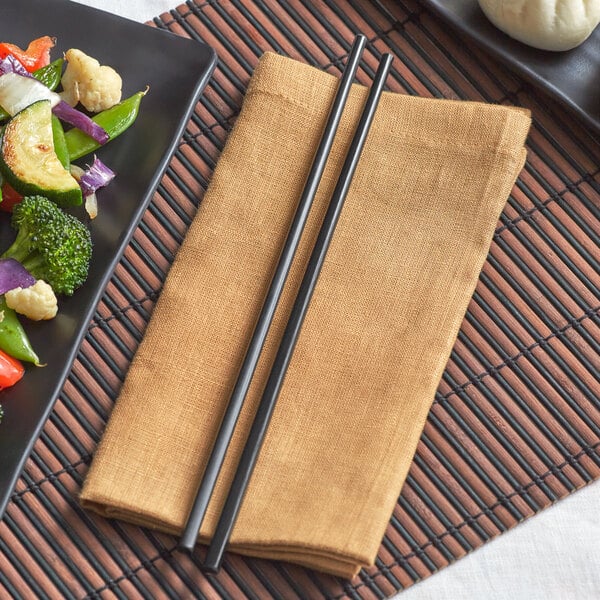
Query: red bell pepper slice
x=11, y=370
x=10, y=197
x=35, y=57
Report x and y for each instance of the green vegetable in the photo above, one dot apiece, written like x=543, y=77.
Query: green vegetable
x=51, y=244
x=49, y=75
x=13, y=339
x=28, y=160
x=60, y=144
x=114, y=121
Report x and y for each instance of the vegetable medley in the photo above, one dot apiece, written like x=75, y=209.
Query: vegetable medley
x=51, y=114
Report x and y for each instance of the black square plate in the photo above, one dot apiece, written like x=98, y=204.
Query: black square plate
x=176, y=70
x=571, y=77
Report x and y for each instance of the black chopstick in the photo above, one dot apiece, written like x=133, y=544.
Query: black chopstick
x=290, y=336
x=219, y=450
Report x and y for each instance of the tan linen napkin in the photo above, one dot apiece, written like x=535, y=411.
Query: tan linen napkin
x=401, y=269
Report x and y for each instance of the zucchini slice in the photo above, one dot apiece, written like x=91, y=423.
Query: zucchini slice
x=28, y=160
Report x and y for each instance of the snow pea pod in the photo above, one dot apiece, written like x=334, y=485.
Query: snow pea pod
x=50, y=74
x=114, y=121
x=13, y=339
x=60, y=144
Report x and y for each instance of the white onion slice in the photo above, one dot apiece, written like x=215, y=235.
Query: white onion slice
x=18, y=92
x=91, y=205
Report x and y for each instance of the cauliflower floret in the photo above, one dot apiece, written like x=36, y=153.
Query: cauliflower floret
x=96, y=86
x=36, y=302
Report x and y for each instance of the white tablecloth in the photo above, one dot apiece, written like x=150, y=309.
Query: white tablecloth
x=552, y=556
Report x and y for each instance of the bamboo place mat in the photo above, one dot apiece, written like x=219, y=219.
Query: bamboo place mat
x=515, y=425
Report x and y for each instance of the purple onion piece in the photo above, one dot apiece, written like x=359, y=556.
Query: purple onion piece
x=68, y=114
x=11, y=64
x=13, y=275
x=97, y=176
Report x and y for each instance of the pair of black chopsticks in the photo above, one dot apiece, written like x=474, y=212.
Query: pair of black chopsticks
x=290, y=336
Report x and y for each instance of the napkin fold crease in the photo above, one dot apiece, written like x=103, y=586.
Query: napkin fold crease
x=403, y=264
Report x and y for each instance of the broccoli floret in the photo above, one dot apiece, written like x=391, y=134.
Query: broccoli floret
x=51, y=244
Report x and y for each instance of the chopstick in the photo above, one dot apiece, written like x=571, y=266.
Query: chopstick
x=290, y=336
x=240, y=390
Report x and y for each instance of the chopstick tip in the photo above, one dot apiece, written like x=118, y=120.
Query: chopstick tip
x=212, y=562
x=185, y=548
x=359, y=43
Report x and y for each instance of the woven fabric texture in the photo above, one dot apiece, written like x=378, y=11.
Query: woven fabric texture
x=413, y=236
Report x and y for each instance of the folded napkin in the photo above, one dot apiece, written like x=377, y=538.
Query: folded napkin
x=404, y=261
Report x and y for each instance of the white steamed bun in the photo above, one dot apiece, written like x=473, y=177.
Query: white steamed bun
x=545, y=24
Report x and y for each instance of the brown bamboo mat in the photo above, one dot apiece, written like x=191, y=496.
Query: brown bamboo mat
x=516, y=421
